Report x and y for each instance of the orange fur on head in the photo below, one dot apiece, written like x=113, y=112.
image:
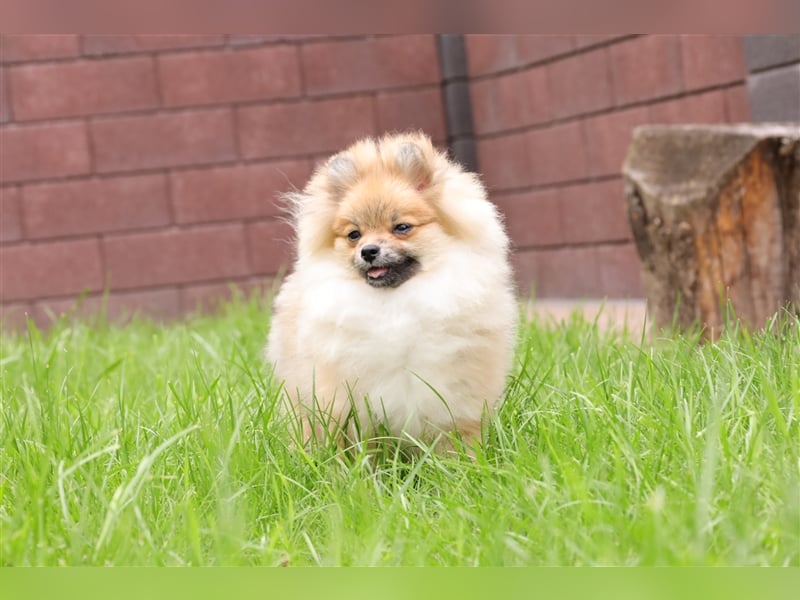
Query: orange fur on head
x=374, y=171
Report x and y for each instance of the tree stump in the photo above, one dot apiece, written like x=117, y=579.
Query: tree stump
x=715, y=215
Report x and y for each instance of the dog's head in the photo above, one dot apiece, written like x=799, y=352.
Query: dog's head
x=379, y=215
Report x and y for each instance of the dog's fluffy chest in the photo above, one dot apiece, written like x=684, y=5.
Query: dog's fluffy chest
x=399, y=349
x=371, y=344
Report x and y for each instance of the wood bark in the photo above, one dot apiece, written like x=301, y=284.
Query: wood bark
x=715, y=214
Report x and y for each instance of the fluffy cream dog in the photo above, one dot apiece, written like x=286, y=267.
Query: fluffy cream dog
x=400, y=313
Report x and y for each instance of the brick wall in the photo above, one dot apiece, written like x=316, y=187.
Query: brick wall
x=553, y=117
x=774, y=80
x=148, y=165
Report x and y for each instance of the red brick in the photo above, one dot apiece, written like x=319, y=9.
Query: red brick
x=46, y=91
x=532, y=218
x=238, y=192
x=608, y=137
x=94, y=44
x=10, y=214
x=567, y=273
x=411, y=110
x=646, y=67
x=164, y=140
x=498, y=103
x=592, y=39
x=620, y=272
x=242, y=39
x=707, y=108
x=502, y=103
x=223, y=76
x=710, y=60
x=303, y=128
x=493, y=53
x=52, y=269
x=490, y=53
x=14, y=316
x=504, y=161
x=271, y=246
x=594, y=212
x=159, y=304
x=737, y=104
x=15, y=48
x=557, y=153
x=370, y=64
x=533, y=48
x=155, y=304
x=207, y=297
x=540, y=99
x=43, y=151
x=95, y=206
x=169, y=257
x=580, y=84
x=525, y=265
x=5, y=101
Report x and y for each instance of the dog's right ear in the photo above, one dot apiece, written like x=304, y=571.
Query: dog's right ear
x=342, y=174
x=411, y=161
x=410, y=156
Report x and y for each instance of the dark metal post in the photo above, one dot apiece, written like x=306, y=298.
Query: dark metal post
x=457, y=103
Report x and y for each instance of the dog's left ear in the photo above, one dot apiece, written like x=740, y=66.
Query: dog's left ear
x=342, y=174
x=411, y=161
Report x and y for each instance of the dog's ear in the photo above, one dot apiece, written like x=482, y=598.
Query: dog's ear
x=412, y=157
x=411, y=162
x=342, y=174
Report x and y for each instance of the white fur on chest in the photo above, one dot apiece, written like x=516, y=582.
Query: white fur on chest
x=400, y=348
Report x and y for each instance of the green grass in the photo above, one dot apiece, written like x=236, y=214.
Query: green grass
x=159, y=445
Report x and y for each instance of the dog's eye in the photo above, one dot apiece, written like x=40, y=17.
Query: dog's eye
x=354, y=235
x=402, y=228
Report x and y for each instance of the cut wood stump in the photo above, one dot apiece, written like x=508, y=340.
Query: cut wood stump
x=715, y=214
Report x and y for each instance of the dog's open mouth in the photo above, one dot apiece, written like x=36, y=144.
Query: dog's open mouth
x=391, y=275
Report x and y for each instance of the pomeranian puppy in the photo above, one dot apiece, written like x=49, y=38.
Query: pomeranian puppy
x=399, y=316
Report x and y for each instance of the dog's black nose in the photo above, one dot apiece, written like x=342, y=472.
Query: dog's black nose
x=370, y=252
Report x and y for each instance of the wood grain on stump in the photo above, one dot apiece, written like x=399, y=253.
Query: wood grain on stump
x=715, y=214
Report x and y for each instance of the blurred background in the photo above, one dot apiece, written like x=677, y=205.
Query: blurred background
x=145, y=167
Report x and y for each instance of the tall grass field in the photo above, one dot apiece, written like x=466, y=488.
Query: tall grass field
x=146, y=444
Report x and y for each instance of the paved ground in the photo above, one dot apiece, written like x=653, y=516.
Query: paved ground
x=609, y=313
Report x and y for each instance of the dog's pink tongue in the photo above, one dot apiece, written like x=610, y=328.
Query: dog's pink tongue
x=376, y=272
